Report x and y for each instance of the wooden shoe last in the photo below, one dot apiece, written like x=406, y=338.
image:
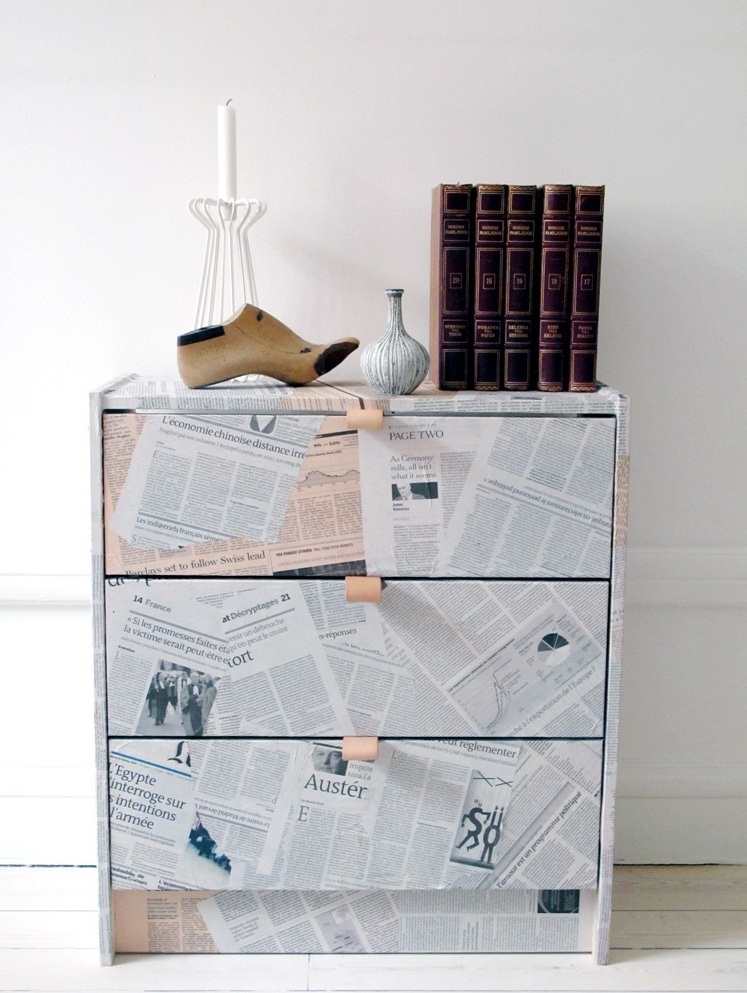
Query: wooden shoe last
x=254, y=342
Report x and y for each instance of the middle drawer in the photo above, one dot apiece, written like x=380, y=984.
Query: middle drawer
x=444, y=658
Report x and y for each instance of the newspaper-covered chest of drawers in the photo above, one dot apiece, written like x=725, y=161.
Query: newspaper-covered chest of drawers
x=276, y=569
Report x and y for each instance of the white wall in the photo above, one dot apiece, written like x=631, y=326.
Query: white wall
x=348, y=114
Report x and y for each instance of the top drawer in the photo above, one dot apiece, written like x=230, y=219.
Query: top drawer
x=506, y=496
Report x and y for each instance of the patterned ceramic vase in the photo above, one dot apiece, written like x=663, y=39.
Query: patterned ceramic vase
x=396, y=363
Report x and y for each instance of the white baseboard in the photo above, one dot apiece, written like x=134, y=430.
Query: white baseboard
x=674, y=782
x=37, y=590
x=686, y=577
x=681, y=831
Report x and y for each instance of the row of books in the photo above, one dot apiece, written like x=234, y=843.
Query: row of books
x=515, y=286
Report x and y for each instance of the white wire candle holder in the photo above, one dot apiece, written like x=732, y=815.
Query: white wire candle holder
x=227, y=282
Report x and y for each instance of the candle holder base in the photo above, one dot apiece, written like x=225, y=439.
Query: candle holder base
x=227, y=282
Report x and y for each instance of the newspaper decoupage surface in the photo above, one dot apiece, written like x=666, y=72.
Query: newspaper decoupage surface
x=227, y=657
x=300, y=494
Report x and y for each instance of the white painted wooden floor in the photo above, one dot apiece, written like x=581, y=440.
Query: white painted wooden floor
x=675, y=929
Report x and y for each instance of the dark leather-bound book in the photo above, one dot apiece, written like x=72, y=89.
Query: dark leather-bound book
x=552, y=294
x=520, y=262
x=588, y=218
x=451, y=292
x=489, y=276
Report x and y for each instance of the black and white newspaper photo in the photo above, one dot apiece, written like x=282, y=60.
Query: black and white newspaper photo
x=167, y=658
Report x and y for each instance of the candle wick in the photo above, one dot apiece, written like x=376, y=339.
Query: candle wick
x=229, y=101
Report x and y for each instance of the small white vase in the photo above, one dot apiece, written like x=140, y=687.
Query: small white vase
x=396, y=363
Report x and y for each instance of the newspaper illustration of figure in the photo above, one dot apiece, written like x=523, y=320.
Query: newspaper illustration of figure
x=481, y=822
x=485, y=831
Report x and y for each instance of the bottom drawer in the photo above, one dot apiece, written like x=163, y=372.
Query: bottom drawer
x=290, y=814
x=284, y=921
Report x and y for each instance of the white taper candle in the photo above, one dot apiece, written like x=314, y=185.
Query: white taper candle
x=226, y=152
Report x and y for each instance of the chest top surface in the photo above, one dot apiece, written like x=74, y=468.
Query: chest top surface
x=134, y=392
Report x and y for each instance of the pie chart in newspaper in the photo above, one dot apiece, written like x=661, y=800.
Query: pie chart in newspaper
x=553, y=649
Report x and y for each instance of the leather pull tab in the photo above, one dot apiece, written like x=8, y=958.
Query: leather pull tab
x=363, y=589
x=360, y=749
x=365, y=420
